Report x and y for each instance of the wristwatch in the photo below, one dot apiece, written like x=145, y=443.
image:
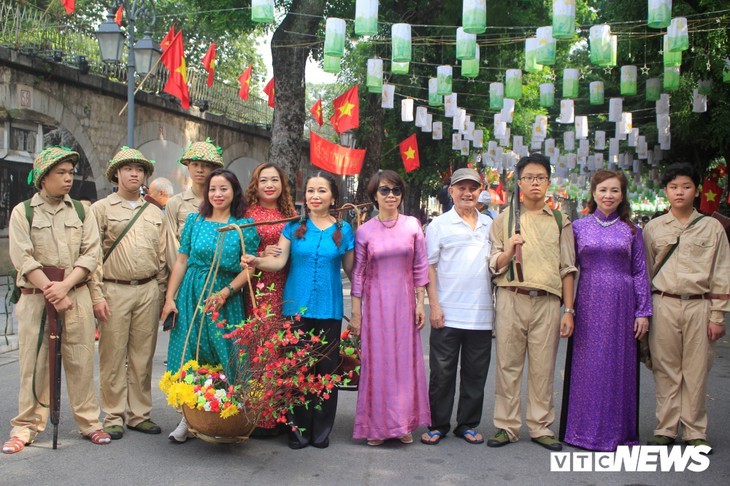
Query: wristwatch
x=231, y=289
x=568, y=309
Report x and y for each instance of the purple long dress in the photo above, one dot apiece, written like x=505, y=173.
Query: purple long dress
x=392, y=399
x=612, y=291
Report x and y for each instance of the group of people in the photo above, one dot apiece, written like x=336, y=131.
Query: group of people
x=131, y=265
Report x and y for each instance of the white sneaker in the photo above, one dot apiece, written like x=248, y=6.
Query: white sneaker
x=181, y=433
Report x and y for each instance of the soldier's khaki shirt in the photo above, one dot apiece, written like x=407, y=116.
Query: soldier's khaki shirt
x=176, y=210
x=699, y=265
x=57, y=238
x=140, y=254
x=548, y=254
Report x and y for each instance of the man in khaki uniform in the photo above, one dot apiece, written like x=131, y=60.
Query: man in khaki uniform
x=689, y=261
x=201, y=158
x=127, y=294
x=528, y=312
x=56, y=238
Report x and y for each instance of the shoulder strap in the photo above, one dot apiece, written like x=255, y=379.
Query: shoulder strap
x=124, y=231
x=674, y=246
x=77, y=205
x=28, y=212
x=558, y=214
x=79, y=209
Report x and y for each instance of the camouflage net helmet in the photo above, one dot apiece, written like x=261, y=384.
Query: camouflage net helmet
x=47, y=159
x=126, y=156
x=203, y=152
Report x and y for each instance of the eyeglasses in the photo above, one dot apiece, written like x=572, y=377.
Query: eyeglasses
x=530, y=179
x=386, y=191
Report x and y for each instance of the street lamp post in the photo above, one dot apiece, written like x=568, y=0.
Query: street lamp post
x=142, y=57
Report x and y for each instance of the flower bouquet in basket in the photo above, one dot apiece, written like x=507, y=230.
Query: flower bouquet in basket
x=349, y=360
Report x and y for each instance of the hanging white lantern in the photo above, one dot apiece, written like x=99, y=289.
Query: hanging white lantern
x=508, y=110
x=531, y=65
x=450, y=105
x=470, y=67
x=262, y=11
x=459, y=120
x=427, y=127
x=600, y=140
x=567, y=112
x=596, y=94
x=388, y=96
x=663, y=125
x=500, y=126
x=547, y=95
x=563, y=19
x=641, y=147
x=653, y=89
x=541, y=125
x=399, y=67
x=546, y=46
x=581, y=127
x=660, y=13
x=662, y=105
x=670, y=59
x=600, y=42
x=598, y=160
x=613, y=145
x=466, y=44
x=468, y=130
x=504, y=142
x=513, y=84
x=665, y=142
x=569, y=140
x=455, y=141
x=677, y=35
x=434, y=99
x=571, y=78
x=633, y=137
x=583, y=145
x=334, y=37
x=699, y=102
x=474, y=16
x=444, y=76
x=615, y=107
x=421, y=116
x=366, y=17
x=401, y=40
x=627, y=122
x=374, y=79
x=464, y=147
x=438, y=130
x=406, y=110
x=478, y=138
x=628, y=80
x=496, y=96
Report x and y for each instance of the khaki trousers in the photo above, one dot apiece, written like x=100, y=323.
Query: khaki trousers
x=77, y=350
x=525, y=326
x=682, y=355
x=126, y=348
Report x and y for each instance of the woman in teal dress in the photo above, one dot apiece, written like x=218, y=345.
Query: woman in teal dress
x=224, y=204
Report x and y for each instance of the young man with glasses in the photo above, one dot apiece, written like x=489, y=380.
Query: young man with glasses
x=529, y=320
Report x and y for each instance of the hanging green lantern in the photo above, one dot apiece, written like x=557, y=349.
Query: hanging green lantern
x=374, y=81
x=399, y=67
x=444, y=74
x=531, y=65
x=600, y=41
x=474, y=16
x=496, y=96
x=660, y=13
x=614, y=52
x=334, y=37
x=546, y=46
x=653, y=89
x=366, y=17
x=401, y=39
x=434, y=99
x=331, y=64
x=671, y=78
x=262, y=11
x=466, y=44
x=571, y=78
x=671, y=59
x=470, y=67
x=677, y=35
x=563, y=19
x=628, y=80
x=547, y=95
x=596, y=93
x=513, y=84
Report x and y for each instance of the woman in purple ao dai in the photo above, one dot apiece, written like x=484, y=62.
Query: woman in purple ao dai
x=388, y=287
x=612, y=306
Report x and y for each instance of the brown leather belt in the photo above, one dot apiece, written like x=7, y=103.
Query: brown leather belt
x=25, y=291
x=141, y=281
x=530, y=292
x=682, y=296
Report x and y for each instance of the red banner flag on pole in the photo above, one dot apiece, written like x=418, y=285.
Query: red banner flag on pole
x=177, y=82
x=347, y=111
x=69, y=5
x=245, y=80
x=269, y=90
x=316, y=111
x=710, y=197
x=209, y=64
x=409, y=153
x=334, y=158
x=167, y=40
x=118, y=15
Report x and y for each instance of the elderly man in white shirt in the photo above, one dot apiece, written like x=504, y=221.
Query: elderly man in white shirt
x=460, y=297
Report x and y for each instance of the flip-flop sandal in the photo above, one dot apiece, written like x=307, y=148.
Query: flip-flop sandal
x=375, y=442
x=13, y=445
x=434, y=435
x=99, y=437
x=470, y=435
x=406, y=439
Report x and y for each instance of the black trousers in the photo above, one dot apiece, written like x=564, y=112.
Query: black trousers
x=475, y=348
x=314, y=426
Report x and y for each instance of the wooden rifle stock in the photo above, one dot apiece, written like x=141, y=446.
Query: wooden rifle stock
x=518, y=248
x=54, y=321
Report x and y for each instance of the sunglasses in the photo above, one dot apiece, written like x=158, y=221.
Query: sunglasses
x=386, y=191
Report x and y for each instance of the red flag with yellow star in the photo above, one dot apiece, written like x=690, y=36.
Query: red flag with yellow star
x=177, y=82
x=409, y=153
x=167, y=40
x=347, y=111
x=316, y=111
x=269, y=90
x=245, y=80
x=711, y=194
x=69, y=5
x=118, y=16
x=209, y=64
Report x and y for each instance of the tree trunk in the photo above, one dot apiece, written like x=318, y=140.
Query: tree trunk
x=290, y=47
x=373, y=144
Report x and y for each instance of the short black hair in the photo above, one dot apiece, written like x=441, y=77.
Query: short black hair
x=534, y=158
x=384, y=175
x=680, y=169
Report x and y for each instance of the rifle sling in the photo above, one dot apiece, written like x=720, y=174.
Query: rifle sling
x=124, y=231
x=37, y=352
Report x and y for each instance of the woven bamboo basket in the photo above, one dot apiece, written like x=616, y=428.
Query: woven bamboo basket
x=210, y=427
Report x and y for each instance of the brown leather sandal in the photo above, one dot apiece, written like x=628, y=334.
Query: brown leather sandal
x=13, y=445
x=99, y=437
